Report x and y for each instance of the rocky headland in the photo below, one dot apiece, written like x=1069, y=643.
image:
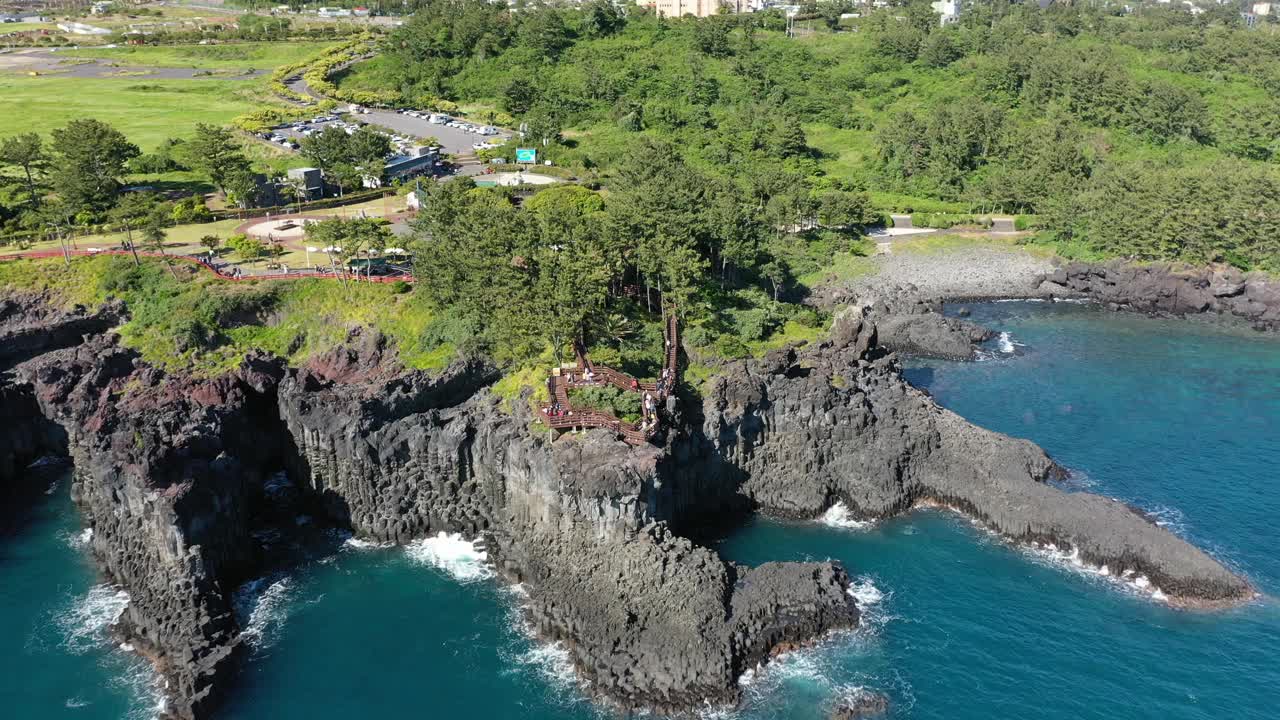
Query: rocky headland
x=181, y=479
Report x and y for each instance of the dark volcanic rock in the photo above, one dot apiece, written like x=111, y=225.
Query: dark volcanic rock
x=865, y=705
x=30, y=325
x=165, y=469
x=911, y=324
x=650, y=618
x=1162, y=289
x=838, y=425
x=177, y=475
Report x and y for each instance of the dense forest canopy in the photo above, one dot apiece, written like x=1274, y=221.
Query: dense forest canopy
x=1096, y=121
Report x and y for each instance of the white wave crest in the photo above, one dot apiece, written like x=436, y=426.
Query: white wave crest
x=453, y=554
x=1170, y=518
x=838, y=516
x=866, y=593
x=1070, y=559
x=83, y=624
x=261, y=606
x=1005, y=343
x=355, y=543
x=77, y=541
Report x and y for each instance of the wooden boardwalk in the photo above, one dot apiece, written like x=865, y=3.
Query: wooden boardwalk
x=560, y=413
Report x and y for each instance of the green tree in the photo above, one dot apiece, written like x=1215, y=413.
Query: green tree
x=154, y=235
x=26, y=153
x=89, y=159
x=241, y=189
x=214, y=151
x=211, y=243
x=248, y=249
x=132, y=212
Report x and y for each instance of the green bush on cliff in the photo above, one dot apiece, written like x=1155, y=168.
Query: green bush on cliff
x=619, y=403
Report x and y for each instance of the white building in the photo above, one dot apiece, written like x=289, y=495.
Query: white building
x=699, y=8
x=1262, y=9
x=948, y=9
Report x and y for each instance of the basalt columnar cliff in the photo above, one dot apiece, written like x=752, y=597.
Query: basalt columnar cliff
x=180, y=479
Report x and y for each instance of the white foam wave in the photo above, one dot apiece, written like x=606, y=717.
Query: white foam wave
x=1005, y=343
x=866, y=593
x=553, y=662
x=355, y=543
x=261, y=606
x=1168, y=517
x=838, y=516
x=1070, y=559
x=83, y=625
x=453, y=554
x=1019, y=300
x=77, y=541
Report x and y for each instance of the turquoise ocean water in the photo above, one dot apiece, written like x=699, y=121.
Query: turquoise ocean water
x=1178, y=418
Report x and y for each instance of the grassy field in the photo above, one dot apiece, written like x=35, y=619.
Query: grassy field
x=239, y=56
x=6, y=28
x=146, y=111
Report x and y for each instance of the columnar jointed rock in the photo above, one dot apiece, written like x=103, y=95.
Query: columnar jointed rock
x=840, y=424
x=163, y=473
x=649, y=618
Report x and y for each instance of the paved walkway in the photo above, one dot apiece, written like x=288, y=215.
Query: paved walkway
x=218, y=270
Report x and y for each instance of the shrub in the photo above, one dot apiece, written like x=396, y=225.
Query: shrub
x=619, y=403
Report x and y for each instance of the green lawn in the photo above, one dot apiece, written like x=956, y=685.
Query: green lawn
x=240, y=56
x=146, y=111
x=6, y=28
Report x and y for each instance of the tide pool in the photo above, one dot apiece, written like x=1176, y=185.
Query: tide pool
x=1179, y=418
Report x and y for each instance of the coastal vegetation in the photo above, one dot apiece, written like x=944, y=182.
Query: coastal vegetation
x=187, y=320
x=1095, y=119
x=727, y=170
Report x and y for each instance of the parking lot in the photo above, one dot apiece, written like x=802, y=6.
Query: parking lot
x=454, y=140
x=406, y=130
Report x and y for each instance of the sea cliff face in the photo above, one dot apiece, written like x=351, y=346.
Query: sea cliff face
x=179, y=479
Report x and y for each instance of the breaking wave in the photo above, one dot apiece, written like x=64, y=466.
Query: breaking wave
x=866, y=593
x=1069, y=559
x=261, y=606
x=838, y=516
x=1005, y=343
x=461, y=559
x=83, y=626
x=77, y=541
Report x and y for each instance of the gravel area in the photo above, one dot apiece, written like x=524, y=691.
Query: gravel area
x=977, y=272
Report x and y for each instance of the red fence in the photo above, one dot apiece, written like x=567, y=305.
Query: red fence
x=216, y=271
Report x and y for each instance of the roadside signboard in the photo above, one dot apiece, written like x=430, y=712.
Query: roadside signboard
x=526, y=155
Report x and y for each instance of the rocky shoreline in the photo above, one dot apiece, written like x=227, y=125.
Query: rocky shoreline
x=180, y=479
